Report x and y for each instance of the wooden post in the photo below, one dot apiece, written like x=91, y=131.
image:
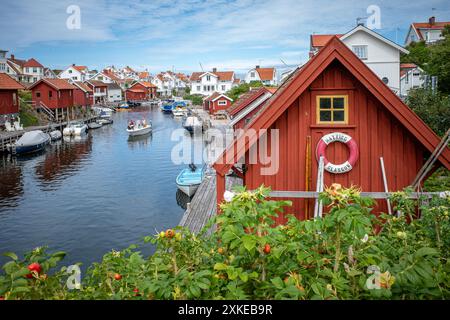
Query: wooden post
x=220, y=189
x=319, y=187
x=307, y=173
x=383, y=172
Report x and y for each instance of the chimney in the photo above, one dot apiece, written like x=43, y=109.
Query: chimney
x=12, y=57
x=73, y=64
x=214, y=69
x=432, y=20
x=257, y=67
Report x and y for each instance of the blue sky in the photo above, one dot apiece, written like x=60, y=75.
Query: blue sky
x=180, y=34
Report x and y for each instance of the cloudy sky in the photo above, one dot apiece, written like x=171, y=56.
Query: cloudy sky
x=180, y=34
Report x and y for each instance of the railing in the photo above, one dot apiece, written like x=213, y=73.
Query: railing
x=48, y=112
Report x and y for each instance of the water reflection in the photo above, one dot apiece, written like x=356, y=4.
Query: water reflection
x=11, y=186
x=139, y=142
x=182, y=199
x=63, y=159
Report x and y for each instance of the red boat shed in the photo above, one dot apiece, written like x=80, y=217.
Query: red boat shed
x=333, y=93
x=243, y=110
x=83, y=95
x=216, y=102
x=141, y=90
x=54, y=94
x=9, y=95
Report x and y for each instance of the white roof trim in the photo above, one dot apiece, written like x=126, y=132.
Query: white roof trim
x=376, y=35
x=222, y=95
x=250, y=108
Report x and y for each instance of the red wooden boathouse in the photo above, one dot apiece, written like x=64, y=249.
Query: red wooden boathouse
x=334, y=92
x=216, y=102
x=9, y=95
x=141, y=90
x=83, y=95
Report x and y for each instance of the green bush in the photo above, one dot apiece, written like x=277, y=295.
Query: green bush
x=348, y=254
x=197, y=99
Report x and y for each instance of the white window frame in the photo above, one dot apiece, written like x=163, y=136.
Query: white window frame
x=222, y=103
x=363, y=55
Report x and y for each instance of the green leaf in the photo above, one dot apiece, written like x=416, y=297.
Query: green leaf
x=195, y=291
x=20, y=273
x=425, y=251
x=11, y=255
x=19, y=283
x=20, y=290
x=243, y=276
x=278, y=283
x=10, y=267
x=249, y=242
x=220, y=266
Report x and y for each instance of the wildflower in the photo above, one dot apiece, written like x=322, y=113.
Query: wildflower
x=365, y=238
x=386, y=280
x=401, y=235
x=346, y=267
x=350, y=255
x=228, y=196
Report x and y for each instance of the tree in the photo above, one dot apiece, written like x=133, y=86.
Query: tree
x=432, y=108
x=419, y=54
x=236, y=92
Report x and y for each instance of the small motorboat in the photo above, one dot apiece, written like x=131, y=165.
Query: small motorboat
x=139, y=128
x=167, y=108
x=75, y=128
x=94, y=125
x=192, y=124
x=179, y=111
x=31, y=141
x=55, y=135
x=105, y=121
x=190, y=179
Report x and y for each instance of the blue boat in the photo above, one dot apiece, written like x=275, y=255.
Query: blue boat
x=31, y=141
x=167, y=108
x=190, y=179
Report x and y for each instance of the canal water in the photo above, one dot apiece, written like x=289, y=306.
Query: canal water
x=90, y=195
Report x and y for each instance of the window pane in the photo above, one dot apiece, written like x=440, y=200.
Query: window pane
x=338, y=116
x=325, y=103
x=325, y=115
x=338, y=103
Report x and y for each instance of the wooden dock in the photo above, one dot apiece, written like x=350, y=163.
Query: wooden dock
x=204, y=204
x=11, y=137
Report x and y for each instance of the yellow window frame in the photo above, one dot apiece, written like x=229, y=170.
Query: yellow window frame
x=345, y=109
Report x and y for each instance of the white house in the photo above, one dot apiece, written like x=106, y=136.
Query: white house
x=75, y=73
x=169, y=81
x=429, y=32
x=25, y=71
x=411, y=77
x=114, y=92
x=268, y=76
x=381, y=55
x=3, y=61
x=49, y=74
x=205, y=83
x=102, y=76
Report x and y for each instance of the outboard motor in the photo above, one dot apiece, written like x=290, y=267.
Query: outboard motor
x=192, y=167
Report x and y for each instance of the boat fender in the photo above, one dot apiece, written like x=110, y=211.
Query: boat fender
x=338, y=137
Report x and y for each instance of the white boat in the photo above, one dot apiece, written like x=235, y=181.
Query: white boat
x=30, y=141
x=75, y=128
x=192, y=124
x=104, y=121
x=139, y=128
x=94, y=125
x=103, y=112
x=190, y=179
x=55, y=135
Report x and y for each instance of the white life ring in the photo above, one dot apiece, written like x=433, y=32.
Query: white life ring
x=337, y=137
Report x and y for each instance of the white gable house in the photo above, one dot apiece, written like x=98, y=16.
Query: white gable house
x=205, y=83
x=75, y=73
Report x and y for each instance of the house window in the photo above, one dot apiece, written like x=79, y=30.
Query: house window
x=332, y=109
x=360, y=51
x=70, y=71
x=50, y=93
x=222, y=103
x=407, y=78
x=38, y=94
x=252, y=74
x=198, y=88
x=34, y=70
x=223, y=87
x=208, y=78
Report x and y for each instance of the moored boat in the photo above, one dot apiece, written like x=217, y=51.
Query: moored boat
x=75, y=128
x=31, y=141
x=192, y=124
x=94, y=125
x=190, y=179
x=139, y=128
x=105, y=121
x=55, y=135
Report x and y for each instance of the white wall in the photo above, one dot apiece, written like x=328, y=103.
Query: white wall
x=114, y=95
x=72, y=74
x=412, y=79
x=382, y=58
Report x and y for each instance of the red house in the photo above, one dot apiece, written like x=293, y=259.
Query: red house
x=216, y=102
x=243, y=110
x=334, y=102
x=54, y=94
x=9, y=95
x=100, y=90
x=83, y=95
x=141, y=90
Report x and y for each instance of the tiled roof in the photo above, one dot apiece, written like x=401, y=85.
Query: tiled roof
x=110, y=74
x=266, y=74
x=58, y=84
x=83, y=86
x=97, y=83
x=246, y=99
x=319, y=40
x=213, y=96
x=427, y=25
x=7, y=82
x=80, y=68
x=33, y=63
x=147, y=84
x=222, y=75
x=143, y=75
x=113, y=86
x=407, y=65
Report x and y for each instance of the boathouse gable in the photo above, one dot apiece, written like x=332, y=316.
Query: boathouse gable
x=335, y=93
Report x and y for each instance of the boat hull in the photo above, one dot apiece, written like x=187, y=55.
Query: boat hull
x=68, y=131
x=188, y=189
x=139, y=132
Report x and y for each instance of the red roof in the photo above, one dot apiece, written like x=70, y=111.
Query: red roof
x=301, y=81
x=222, y=75
x=83, y=86
x=111, y=75
x=428, y=25
x=58, y=84
x=33, y=63
x=136, y=90
x=407, y=65
x=8, y=83
x=319, y=40
x=245, y=100
x=143, y=75
x=80, y=68
x=147, y=84
x=266, y=74
x=216, y=95
x=96, y=83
